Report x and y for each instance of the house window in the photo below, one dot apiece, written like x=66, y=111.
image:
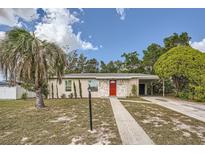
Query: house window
x=93, y=84
x=68, y=85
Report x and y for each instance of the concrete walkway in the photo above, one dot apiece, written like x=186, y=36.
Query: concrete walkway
x=130, y=131
x=190, y=109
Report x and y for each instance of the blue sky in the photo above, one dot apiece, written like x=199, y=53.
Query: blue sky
x=139, y=28
x=106, y=35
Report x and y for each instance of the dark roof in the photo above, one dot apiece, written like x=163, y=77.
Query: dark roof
x=110, y=76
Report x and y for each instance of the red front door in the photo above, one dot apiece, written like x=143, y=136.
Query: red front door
x=112, y=87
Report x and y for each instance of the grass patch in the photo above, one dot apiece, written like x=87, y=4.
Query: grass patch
x=165, y=126
x=63, y=121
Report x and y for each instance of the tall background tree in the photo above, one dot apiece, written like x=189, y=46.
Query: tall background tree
x=82, y=60
x=111, y=67
x=176, y=39
x=151, y=55
x=91, y=66
x=132, y=64
x=28, y=59
x=72, y=59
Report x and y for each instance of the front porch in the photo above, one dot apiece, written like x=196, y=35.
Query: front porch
x=146, y=87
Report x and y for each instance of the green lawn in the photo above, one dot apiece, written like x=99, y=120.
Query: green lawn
x=165, y=126
x=63, y=121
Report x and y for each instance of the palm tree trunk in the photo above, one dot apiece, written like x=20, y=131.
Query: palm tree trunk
x=39, y=99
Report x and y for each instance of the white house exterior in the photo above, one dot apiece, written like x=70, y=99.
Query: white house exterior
x=102, y=84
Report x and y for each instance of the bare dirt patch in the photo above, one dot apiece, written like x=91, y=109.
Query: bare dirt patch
x=63, y=121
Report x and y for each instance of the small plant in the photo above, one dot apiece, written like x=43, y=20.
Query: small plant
x=183, y=95
x=75, y=92
x=134, y=90
x=71, y=95
x=24, y=96
x=63, y=96
x=80, y=88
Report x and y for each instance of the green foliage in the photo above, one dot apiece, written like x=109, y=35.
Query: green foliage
x=80, y=64
x=52, y=91
x=199, y=93
x=72, y=58
x=151, y=55
x=134, y=90
x=27, y=58
x=183, y=95
x=91, y=66
x=185, y=66
x=132, y=64
x=193, y=93
x=63, y=96
x=175, y=40
x=110, y=67
x=181, y=62
x=158, y=86
x=103, y=67
x=80, y=89
x=24, y=96
x=75, y=92
x=82, y=60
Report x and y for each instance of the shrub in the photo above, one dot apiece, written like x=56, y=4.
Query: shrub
x=80, y=88
x=75, y=92
x=70, y=95
x=24, y=96
x=134, y=90
x=183, y=95
x=63, y=96
x=199, y=93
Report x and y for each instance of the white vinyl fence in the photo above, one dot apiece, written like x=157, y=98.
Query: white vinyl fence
x=16, y=92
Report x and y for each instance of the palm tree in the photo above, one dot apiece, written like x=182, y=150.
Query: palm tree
x=28, y=59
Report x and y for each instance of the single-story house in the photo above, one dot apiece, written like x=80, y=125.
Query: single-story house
x=101, y=84
x=13, y=92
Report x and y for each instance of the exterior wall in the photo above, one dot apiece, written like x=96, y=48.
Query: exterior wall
x=59, y=89
x=123, y=88
x=14, y=92
x=104, y=88
x=132, y=82
x=7, y=92
x=20, y=90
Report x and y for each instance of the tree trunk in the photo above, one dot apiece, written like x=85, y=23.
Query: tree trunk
x=39, y=99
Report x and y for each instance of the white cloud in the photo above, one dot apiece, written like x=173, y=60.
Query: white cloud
x=57, y=27
x=121, y=13
x=10, y=17
x=199, y=45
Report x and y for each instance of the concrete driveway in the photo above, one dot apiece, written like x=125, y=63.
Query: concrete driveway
x=191, y=109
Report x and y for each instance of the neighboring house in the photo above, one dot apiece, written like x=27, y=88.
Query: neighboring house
x=13, y=92
x=102, y=84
